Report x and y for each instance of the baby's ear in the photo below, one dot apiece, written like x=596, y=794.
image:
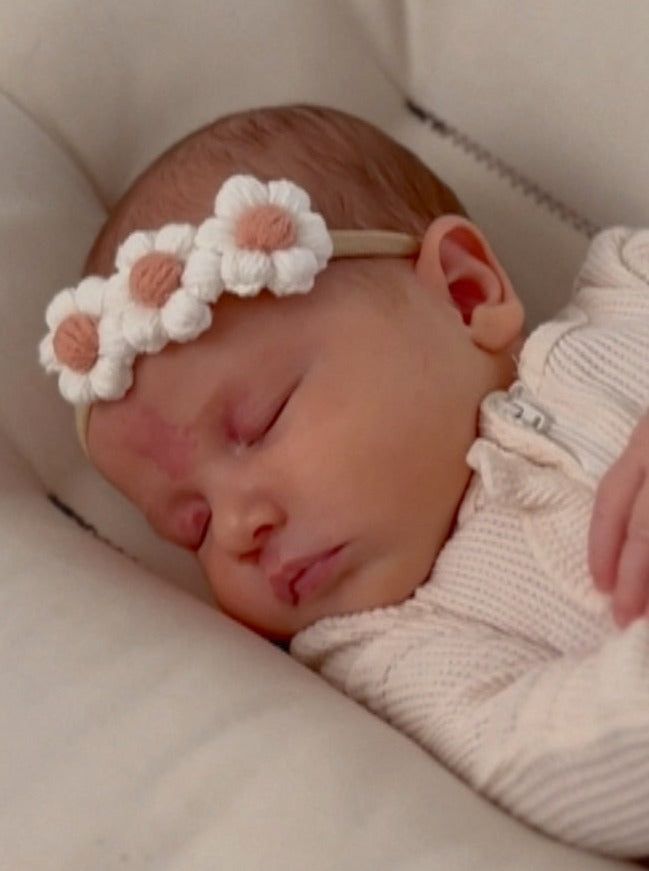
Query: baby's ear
x=456, y=259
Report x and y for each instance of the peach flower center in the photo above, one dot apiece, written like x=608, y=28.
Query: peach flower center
x=76, y=342
x=265, y=228
x=154, y=277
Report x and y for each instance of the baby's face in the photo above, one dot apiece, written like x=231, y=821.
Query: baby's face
x=309, y=449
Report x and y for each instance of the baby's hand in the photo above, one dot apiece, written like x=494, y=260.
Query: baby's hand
x=618, y=544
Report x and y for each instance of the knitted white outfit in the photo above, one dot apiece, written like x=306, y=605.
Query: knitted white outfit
x=506, y=663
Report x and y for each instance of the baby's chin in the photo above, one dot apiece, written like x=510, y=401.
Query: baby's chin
x=279, y=637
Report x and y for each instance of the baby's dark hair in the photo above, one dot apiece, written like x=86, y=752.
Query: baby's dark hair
x=356, y=175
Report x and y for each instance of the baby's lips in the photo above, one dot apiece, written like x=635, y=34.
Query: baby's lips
x=311, y=566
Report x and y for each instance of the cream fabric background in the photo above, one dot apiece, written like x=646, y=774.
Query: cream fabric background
x=140, y=728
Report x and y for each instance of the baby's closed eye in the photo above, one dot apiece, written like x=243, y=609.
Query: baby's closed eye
x=250, y=428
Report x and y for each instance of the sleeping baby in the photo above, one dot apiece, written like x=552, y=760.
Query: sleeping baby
x=296, y=354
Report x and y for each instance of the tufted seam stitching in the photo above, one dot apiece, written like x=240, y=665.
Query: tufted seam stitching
x=516, y=179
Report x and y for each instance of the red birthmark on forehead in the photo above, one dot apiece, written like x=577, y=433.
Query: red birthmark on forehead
x=170, y=447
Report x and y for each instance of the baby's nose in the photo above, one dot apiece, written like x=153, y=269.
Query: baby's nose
x=240, y=527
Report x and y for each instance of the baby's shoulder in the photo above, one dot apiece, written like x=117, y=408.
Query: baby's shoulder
x=609, y=301
x=616, y=263
x=583, y=376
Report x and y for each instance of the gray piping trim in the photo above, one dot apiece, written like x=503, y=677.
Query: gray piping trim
x=517, y=180
x=87, y=527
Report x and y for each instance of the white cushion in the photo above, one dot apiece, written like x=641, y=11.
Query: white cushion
x=140, y=727
x=118, y=83
x=557, y=91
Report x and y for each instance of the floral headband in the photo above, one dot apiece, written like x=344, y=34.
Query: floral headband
x=261, y=235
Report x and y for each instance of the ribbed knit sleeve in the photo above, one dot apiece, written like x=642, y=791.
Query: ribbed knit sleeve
x=562, y=742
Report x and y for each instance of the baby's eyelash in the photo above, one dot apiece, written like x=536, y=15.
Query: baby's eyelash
x=257, y=433
x=275, y=417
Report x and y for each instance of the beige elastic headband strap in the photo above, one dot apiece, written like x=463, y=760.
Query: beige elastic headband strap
x=346, y=243
x=81, y=415
x=373, y=243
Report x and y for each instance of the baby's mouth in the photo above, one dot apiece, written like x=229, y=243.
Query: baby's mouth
x=300, y=579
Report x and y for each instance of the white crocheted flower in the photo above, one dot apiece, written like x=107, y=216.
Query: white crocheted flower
x=267, y=236
x=85, y=345
x=164, y=286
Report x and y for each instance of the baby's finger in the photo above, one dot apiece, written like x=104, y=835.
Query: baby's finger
x=631, y=595
x=611, y=513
